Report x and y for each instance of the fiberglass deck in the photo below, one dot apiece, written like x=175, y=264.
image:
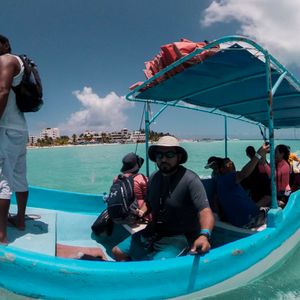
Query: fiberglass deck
x=47, y=228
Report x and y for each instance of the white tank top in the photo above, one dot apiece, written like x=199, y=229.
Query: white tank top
x=12, y=117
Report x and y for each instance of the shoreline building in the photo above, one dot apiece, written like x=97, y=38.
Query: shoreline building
x=137, y=137
x=123, y=136
x=120, y=136
x=53, y=133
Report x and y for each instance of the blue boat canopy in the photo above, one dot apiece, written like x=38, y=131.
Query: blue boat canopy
x=241, y=80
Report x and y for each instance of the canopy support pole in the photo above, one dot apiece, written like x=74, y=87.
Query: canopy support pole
x=147, y=128
x=226, y=136
x=275, y=214
x=278, y=82
x=148, y=122
x=271, y=131
x=158, y=113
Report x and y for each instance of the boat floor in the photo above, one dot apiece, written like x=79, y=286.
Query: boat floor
x=69, y=235
x=56, y=233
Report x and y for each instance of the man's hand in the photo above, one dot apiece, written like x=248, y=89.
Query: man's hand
x=200, y=245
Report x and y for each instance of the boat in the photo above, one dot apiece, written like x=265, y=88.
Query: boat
x=239, y=80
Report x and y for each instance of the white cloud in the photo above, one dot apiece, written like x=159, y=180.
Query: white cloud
x=275, y=24
x=99, y=114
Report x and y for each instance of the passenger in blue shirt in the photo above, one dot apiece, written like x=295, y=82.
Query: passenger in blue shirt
x=239, y=209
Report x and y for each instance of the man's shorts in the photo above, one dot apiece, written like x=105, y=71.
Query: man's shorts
x=12, y=162
x=140, y=248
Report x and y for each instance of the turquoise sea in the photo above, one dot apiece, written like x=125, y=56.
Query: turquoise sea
x=90, y=169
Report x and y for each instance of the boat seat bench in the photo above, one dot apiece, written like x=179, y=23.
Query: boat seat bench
x=224, y=232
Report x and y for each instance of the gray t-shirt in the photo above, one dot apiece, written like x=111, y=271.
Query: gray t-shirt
x=175, y=201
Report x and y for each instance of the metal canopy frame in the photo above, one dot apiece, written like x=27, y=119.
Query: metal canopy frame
x=241, y=81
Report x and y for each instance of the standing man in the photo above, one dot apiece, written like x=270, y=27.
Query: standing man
x=181, y=216
x=13, y=137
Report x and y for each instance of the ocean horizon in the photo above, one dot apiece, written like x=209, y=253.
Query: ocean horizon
x=91, y=168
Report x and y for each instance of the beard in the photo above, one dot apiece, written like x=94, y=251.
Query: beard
x=167, y=169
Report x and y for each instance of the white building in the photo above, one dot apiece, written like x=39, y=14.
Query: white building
x=89, y=133
x=120, y=136
x=50, y=133
x=137, y=137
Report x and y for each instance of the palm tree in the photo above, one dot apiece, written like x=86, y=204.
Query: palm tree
x=74, y=138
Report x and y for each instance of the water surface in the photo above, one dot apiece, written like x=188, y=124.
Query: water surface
x=90, y=169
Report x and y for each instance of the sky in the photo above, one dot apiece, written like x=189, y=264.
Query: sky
x=90, y=52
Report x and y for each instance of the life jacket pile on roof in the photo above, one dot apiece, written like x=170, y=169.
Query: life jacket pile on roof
x=170, y=53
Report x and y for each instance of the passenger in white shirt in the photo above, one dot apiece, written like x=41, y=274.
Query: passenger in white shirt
x=13, y=137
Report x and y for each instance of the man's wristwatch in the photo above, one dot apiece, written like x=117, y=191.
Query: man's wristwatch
x=206, y=233
x=257, y=155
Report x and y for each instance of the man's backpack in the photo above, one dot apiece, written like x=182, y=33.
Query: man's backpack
x=103, y=224
x=29, y=92
x=121, y=203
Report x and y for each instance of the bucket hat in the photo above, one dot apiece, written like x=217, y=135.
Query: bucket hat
x=167, y=141
x=131, y=163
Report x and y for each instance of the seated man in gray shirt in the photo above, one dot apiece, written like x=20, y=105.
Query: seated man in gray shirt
x=181, y=216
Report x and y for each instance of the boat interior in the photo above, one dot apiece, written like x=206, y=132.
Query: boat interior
x=234, y=67
x=68, y=233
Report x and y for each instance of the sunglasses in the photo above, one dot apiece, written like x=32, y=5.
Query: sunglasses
x=169, y=154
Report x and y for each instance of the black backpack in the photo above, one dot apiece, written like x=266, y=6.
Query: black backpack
x=103, y=224
x=29, y=92
x=121, y=202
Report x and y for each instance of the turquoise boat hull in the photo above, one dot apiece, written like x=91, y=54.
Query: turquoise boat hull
x=241, y=257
